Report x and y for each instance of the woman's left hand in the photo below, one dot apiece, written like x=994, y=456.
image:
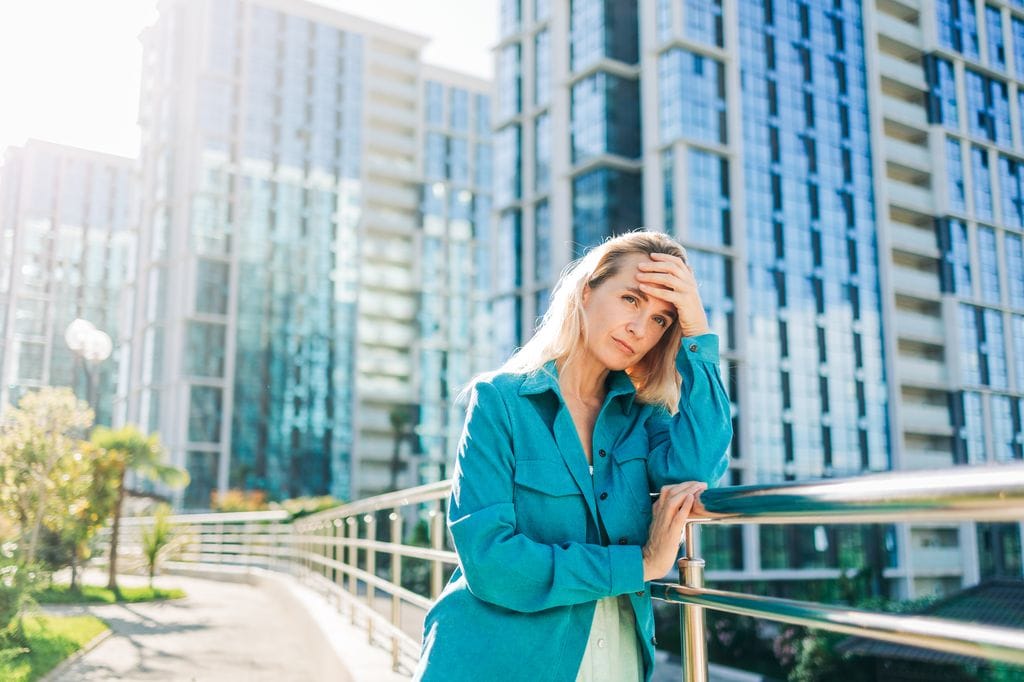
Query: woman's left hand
x=667, y=277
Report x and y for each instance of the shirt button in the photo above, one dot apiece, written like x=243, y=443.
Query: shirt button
x=623, y=541
x=693, y=347
x=602, y=453
x=601, y=644
x=654, y=640
x=604, y=496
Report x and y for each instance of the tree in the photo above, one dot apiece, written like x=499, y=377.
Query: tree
x=38, y=441
x=143, y=455
x=87, y=500
x=155, y=538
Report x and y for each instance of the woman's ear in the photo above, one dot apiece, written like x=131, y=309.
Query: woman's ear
x=586, y=292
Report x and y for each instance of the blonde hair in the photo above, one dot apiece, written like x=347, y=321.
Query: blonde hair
x=562, y=334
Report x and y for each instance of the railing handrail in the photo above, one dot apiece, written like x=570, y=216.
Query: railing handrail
x=429, y=492
x=991, y=493
x=327, y=545
x=940, y=634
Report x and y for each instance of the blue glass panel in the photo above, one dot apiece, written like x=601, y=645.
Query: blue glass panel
x=605, y=202
x=1015, y=269
x=955, y=176
x=703, y=21
x=988, y=265
x=1003, y=436
x=511, y=13
x=542, y=153
x=709, y=218
x=509, y=81
x=994, y=349
x=982, y=179
x=509, y=271
x=692, y=90
x=542, y=242
x=994, y=31
x=506, y=165
x=459, y=110
x=542, y=68
x=668, y=189
x=1017, y=29
x=1010, y=171
x=605, y=117
x=1017, y=336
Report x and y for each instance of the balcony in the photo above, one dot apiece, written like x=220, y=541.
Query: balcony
x=937, y=560
x=915, y=282
x=926, y=419
x=919, y=372
x=908, y=114
x=913, y=239
x=920, y=327
x=902, y=71
x=912, y=156
x=917, y=199
x=899, y=30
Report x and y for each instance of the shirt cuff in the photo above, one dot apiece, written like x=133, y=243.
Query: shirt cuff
x=627, y=568
x=703, y=347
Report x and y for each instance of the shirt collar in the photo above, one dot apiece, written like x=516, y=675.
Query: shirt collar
x=546, y=379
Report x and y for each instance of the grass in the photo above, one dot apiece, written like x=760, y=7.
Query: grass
x=51, y=639
x=94, y=594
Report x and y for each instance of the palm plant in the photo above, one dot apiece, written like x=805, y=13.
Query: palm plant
x=144, y=456
x=156, y=538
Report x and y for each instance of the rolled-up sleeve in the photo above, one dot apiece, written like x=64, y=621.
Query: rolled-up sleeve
x=502, y=566
x=692, y=445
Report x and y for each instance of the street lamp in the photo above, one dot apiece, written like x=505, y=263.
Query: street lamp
x=91, y=346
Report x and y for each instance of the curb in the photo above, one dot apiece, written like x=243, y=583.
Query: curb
x=62, y=667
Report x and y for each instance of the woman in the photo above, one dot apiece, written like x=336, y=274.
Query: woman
x=616, y=396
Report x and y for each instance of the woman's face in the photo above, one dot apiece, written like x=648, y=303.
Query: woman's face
x=623, y=322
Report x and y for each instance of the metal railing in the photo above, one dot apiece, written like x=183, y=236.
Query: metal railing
x=356, y=553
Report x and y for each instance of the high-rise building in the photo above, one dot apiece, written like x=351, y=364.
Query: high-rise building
x=277, y=296
x=454, y=245
x=68, y=228
x=795, y=149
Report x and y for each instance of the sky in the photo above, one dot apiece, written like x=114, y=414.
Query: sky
x=70, y=69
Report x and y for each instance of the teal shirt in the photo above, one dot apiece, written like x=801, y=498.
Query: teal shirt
x=539, y=541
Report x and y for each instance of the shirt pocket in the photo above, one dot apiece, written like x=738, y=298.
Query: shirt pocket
x=550, y=507
x=630, y=458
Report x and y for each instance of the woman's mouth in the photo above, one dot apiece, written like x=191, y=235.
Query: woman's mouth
x=624, y=346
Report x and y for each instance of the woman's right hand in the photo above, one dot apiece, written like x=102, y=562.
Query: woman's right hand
x=671, y=509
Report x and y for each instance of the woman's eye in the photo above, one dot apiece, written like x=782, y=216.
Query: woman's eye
x=661, y=321
x=629, y=299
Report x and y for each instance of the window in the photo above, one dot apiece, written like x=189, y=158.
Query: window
x=709, y=218
x=509, y=81
x=542, y=68
x=542, y=153
x=955, y=176
x=988, y=265
x=692, y=92
x=982, y=183
x=994, y=30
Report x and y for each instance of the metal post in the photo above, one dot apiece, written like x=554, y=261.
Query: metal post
x=691, y=619
x=396, y=579
x=436, y=542
x=371, y=568
x=353, y=562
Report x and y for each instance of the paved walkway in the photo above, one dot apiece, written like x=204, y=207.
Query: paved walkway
x=221, y=631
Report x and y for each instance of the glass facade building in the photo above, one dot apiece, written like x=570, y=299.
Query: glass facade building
x=278, y=301
x=851, y=203
x=455, y=261
x=68, y=230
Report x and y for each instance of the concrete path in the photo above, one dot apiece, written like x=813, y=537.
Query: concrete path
x=223, y=631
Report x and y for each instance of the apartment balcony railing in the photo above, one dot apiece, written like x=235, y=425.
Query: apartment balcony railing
x=349, y=553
